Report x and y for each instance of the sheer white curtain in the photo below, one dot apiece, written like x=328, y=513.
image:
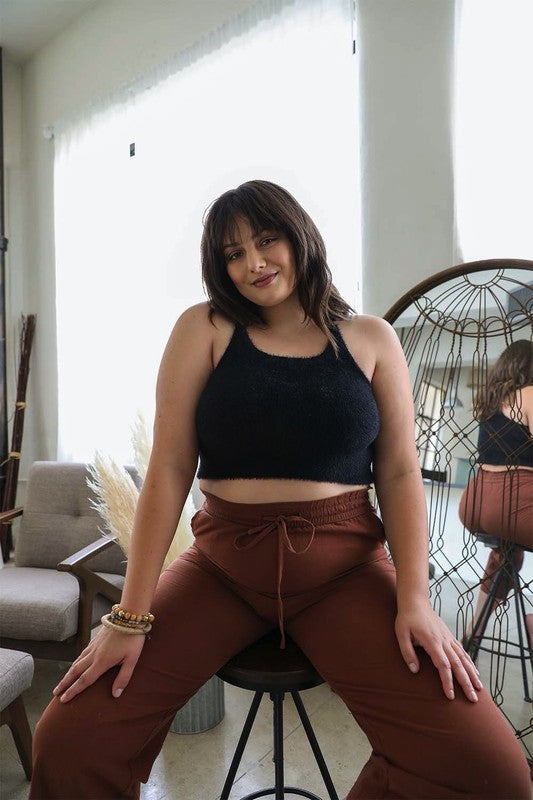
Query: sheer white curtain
x=494, y=129
x=274, y=98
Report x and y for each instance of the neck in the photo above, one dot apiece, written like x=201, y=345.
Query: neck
x=286, y=316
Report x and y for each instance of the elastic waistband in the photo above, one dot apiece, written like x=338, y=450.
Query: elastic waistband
x=329, y=509
x=488, y=476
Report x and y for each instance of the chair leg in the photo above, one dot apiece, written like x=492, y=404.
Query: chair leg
x=15, y=717
x=241, y=744
x=315, y=746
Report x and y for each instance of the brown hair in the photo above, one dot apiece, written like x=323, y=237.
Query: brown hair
x=268, y=206
x=512, y=370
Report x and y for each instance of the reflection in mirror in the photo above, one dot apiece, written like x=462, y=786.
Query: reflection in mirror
x=453, y=328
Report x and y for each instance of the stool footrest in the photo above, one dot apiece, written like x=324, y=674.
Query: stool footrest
x=288, y=789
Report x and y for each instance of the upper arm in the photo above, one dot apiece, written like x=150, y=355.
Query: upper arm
x=526, y=406
x=183, y=373
x=395, y=450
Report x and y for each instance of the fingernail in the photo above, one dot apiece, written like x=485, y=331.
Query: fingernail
x=451, y=694
x=117, y=692
x=412, y=666
x=63, y=698
x=479, y=685
x=473, y=695
x=55, y=690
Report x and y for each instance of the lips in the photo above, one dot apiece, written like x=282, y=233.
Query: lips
x=266, y=280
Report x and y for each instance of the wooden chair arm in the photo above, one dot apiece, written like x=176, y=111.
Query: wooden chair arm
x=85, y=553
x=90, y=584
x=7, y=516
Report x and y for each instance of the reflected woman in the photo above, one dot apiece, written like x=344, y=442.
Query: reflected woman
x=498, y=500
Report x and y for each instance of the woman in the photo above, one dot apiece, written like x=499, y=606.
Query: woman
x=498, y=500
x=294, y=405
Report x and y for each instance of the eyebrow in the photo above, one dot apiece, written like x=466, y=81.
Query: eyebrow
x=255, y=236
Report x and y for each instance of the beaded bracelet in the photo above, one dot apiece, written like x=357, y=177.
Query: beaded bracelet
x=108, y=622
x=128, y=618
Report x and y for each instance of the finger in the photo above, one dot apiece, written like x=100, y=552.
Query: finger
x=123, y=677
x=87, y=678
x=468, y=665
x=408, y=651
x=442, y=664
x=73, y=673
x=467, y=659
x=461, y=675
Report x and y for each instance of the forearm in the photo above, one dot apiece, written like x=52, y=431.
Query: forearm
x=160, y=504
x=403, y=510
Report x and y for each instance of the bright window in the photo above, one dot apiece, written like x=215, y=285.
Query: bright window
x=277, y=100
x=494, y=129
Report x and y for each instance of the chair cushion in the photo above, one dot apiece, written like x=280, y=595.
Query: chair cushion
x=59, y=519
x=42, y=604
x=16, y=673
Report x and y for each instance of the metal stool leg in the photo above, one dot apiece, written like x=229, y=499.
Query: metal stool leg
x=279, y=779
x=314, y=746
x=473, y=642
x=279, y=789
x=523, y=642
x=241, y=744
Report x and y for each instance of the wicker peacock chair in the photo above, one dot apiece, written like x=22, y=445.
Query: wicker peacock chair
x=452, y=327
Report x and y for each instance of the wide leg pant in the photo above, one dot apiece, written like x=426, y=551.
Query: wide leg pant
x=318, y=570
x=500, y=504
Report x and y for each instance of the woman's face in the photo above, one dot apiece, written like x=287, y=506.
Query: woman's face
x=261, y=267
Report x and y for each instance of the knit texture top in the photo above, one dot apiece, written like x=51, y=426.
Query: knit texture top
x=504, y=441
x=269, y=416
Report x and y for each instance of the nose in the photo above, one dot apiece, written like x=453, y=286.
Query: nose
x=256, y=260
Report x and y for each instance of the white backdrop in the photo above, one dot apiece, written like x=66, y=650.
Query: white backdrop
x=276, y=99
x=494, y=129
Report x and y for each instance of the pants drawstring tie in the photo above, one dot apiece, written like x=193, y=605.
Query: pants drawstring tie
x=252, y=537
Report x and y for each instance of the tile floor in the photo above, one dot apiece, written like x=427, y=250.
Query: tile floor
x=193, y=767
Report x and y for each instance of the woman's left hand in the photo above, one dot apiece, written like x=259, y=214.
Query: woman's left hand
x=421, y=626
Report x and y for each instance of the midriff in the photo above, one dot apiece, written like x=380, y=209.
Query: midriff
x=274, y=490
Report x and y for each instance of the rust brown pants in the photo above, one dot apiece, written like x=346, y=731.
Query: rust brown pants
x=318, y=569
x=500, y=504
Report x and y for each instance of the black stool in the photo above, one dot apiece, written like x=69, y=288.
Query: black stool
x=263, y=667
x=473, y=643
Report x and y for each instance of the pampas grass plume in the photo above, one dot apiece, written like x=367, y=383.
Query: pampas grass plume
x=142, y=446
x=117, y=495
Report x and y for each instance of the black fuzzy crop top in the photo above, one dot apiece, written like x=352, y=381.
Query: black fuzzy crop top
x=504, y=441
x=267, y=416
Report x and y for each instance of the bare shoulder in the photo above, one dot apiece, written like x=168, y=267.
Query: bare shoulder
x=526, y=394
x=369, y=339
x=525, y=404
x=190, y=341
x=195, y=318
x=199, y=336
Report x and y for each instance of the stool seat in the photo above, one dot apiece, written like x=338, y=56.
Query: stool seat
x=489, y=541
x=264, y=666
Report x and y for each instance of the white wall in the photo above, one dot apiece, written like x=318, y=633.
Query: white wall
x=406, y=51
x=110, y=46
x=405, y=56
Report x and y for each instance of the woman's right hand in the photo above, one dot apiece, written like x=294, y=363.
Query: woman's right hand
x=107, y=649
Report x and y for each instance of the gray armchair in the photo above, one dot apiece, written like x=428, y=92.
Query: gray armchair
x=66, y=574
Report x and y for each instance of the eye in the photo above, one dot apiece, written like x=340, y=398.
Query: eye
x=268, y=239
x=233, y=256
